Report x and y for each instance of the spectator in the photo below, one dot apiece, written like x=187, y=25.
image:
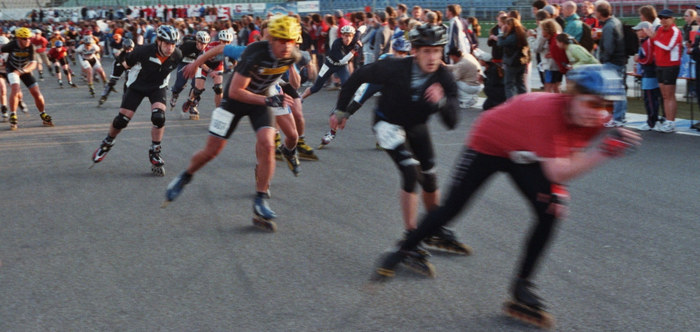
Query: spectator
x=417, y=13
x=667, y=54
x=340, y=21
x=496, y=51
x=587, y=15
x=473, y=32
x=382, y=38
x=540, y=45
x=576, y=54
x=648, y=13
x=467, y=72
x=647, y=68
x=367, y=39
x=694, y=51
x=574, y=25
x=611, y=52
x=456, y=39
x=516, y=56
x=552, y=59
x=689, y=16
x=493, y=81
x=402, y=11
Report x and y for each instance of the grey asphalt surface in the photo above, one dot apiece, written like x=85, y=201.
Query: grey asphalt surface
x=89, y=250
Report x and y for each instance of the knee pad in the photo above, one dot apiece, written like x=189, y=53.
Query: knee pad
x=65, y=71
x=112, y=81
x=56, y=69
x=218, y=89
x=197, y=92
x=120, y=121
x=428, y=181
x=409, y=174
x=158, y=117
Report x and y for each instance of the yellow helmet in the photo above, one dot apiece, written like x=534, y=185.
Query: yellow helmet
x=284, y=27
x=23, y=33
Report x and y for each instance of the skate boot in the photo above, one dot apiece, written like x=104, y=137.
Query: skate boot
x=176, y=186
x=112, y=89
x=304, y=151
x=292, y=160
x=263, y=215
x=46, y=119
x=419, y=249
x=156, y=161
x=13, y=121
x=102, y=151
x=102, y=100
x=526, y=306
x=60, y=84
x=5, y=116
x=327, y=138
x=92, y=90
x=41, y=76
x=186, y=106
x=173, y=101
x=411, y=259
x=73, y=85
x=445, y=239
x=194, y=113
x=278, y=147
x=23, y=106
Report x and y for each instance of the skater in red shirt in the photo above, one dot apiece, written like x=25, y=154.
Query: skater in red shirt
x=540, y=157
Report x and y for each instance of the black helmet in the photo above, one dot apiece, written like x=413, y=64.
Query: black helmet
x=428, y=35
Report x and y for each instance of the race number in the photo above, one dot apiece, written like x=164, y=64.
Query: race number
x=220, y=121
x=389, y=136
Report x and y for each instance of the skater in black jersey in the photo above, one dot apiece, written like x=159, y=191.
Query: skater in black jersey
x=149, y=71
x=542, y=140
x=414, y=88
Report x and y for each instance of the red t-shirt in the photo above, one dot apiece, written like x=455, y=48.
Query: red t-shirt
x=667, y=46
x=534, y=122
x=39, y=43
x=58, y=53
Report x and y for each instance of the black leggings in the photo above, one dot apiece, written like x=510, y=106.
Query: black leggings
x=472, y=170
x=415, y=160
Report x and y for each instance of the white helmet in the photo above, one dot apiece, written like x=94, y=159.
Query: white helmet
x=168, y=34
x=202, y=37
x=225, y=35
x=3, y=40
x=347, y=29
x=89, y=40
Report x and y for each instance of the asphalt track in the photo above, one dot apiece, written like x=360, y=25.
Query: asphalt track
x=90, y=249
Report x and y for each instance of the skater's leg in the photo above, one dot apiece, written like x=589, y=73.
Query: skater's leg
x=218, y=79
x=287, y=125
x=409, y=170
x=549, y=206
x=409, y=209
x=212, y=149
x=120, y=122
x=265, y=153
x=38, y=97
x=471, y=171
x=158, y=120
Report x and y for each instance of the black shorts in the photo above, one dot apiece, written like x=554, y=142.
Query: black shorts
x=132, y=98
x=289, y=90
x=26, y=78
x=260, y=116
x=667, y=74
x=61, y=62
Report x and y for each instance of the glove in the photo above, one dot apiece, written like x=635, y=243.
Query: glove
x=274, y=101
x=613, y=145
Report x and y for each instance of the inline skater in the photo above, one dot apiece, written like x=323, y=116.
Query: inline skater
x=190, y=49
x=88, y=54
x=72, y=38
x=261, y=65
x=213, y=68
x=19, y=66
x=40, y=43
x=150, y=71
x=400, y=48
x=413, y=89
x=540, y=158
x=117, y=68
x=57, y=57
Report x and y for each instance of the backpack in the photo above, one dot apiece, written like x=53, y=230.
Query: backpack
x=587, y=37
x=631, y=40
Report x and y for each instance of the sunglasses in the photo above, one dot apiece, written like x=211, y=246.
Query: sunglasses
x=599, y=104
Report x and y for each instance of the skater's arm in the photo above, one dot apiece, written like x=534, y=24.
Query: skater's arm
x=614, y=144
x=294, y=77
x=190, y=70
x=237, y=91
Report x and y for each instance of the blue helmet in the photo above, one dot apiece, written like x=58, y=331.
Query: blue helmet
x=58, y=43
x=401, y=44
x=598, y=80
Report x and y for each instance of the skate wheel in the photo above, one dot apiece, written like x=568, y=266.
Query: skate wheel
x=158, y=170
x=48, y=124
x=422, y=267
x=264, y=224
x=194, y=117
x=312, y=157
x=528, y=315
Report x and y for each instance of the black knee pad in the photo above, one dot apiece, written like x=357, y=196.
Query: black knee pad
x=217, y=89
x=120, y=121
x=197, y=92
x=409, y=174
x=112, y=81
x=428, y=181
x=56, y=69
x=65, y=71
x=158, y=117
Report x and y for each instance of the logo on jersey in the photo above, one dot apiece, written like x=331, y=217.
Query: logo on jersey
x=273, y=71
x=155, y=60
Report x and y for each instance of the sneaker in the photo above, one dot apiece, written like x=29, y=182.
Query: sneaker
x=667, y=127
x=102, y=151
x=614, y=123
x=696, y=126
x=645, y=127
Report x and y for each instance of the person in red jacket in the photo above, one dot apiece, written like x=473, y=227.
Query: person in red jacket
x=57, y=56
x=40, y=44
x=668, y=46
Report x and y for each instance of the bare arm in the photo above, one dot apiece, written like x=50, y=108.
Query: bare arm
x=191, y=69
x=294, y=77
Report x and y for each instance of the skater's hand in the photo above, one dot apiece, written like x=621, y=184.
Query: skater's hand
x=337, y=122
x=434, y=93
x=189, y=71
x=618, y=141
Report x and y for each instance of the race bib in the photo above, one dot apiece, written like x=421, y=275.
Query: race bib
x=389, y=136
x=323, y=70
x=220, y=121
